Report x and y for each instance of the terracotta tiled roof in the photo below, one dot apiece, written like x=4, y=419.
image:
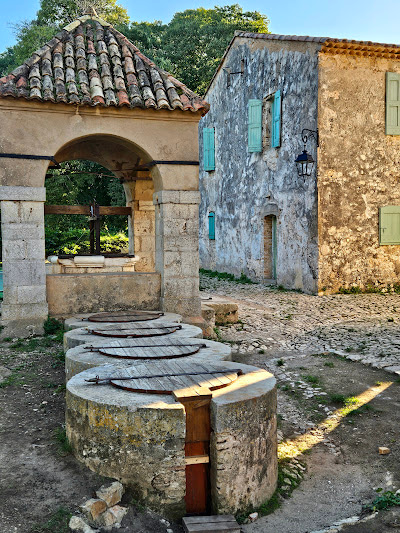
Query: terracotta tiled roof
x=91, y=63
x=327, y=45
x=327, y=42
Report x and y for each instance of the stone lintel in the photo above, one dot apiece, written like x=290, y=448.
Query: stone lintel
x=176, y=197
x=15, y=194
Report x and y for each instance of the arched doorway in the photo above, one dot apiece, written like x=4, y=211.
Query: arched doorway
x=270, y=247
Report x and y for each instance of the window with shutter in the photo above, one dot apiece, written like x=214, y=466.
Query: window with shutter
x=389, y=224
x=392, y=103
x=276, y=120
x=255, y=126
x=209, y=149
x=211, y=226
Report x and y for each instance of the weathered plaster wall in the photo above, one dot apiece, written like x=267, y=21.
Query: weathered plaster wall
x=68, y=294
x=245, y=186
x=358, y=172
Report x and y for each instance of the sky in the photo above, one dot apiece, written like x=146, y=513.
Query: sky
x=369, y=20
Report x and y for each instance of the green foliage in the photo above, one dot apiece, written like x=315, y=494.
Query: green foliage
x=60, y=436
x=57, y=522
x=227, y=276
x=52, y=326
x=313, y=380
x=79, y=183
x=193, y=43
x=62, y=12
x=385, y=500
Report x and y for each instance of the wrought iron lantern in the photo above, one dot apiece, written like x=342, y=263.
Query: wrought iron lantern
x=305, y=161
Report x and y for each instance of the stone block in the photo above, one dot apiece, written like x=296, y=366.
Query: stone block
x=163, y=197
x=189, y=197
x=30, y=313
x=113, y=516
x=32, y=194
x=14, y=232
x=78, y=524
x=187, y=307
x=187, y=243
x=34, y=294
x=111, y=494
x=25, y=272
x=21, y=212
x=93, y=508
x=175, y=287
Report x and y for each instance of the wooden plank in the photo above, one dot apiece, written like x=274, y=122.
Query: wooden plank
x=115, y=210
x=212, y=527
x=67, y=210
x=197, y=459
x=85, y=210
x=213, y=519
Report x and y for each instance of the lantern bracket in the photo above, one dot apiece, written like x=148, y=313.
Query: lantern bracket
x=306, y=133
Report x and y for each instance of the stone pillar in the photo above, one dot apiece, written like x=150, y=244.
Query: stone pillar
x=177, y=250
x=24, y=306
x=144, y=226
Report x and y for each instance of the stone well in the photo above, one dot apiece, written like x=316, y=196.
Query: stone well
x=83, y=336
x=80, y=321
x=81, y=358
x=140, y=440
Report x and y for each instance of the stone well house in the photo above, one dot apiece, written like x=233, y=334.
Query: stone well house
x=339, y=226
x=90, y=94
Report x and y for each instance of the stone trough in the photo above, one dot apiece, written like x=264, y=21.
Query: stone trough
x=86, y=356
x=180, y=450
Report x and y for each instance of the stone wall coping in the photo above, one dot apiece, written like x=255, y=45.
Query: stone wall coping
x=176, y=197
x=18, y=194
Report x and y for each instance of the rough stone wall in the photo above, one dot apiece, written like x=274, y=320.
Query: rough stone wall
x=244, y=186
x=358, y=172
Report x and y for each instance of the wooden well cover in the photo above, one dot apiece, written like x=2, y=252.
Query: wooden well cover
x=166, y=377
x=125, y=316
x=152, y=352
x=136, y=330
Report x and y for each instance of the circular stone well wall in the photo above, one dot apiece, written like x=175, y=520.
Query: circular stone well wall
x=140, y=438
x=80, y=358
x=78, y=336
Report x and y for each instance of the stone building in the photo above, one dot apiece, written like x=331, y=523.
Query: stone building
x=90, y=94
x=337, y=227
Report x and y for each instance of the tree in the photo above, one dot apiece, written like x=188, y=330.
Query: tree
x=51, y=17
x=192, y=44
x=62, y=12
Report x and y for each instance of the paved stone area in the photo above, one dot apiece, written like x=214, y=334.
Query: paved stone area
x=285, y=324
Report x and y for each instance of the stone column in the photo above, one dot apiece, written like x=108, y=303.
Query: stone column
x=177, y=250
x=24, y=306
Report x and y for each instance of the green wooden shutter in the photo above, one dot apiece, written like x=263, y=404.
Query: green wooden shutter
x=209, y=149
x=211, y=226
x=255, y=126
x=276, y=120
x=392, y=103
x=389, y=224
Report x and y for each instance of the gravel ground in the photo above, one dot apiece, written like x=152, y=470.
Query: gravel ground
x=325, y=351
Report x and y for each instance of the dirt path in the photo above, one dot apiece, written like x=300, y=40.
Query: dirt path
x=41, y=484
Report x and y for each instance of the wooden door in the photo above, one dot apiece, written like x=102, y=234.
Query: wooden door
x=197, y=449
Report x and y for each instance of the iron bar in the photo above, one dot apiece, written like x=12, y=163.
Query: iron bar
x=97, y=348
x=97, y=380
